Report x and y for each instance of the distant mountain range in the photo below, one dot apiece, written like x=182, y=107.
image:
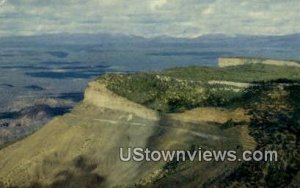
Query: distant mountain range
x=92, y=39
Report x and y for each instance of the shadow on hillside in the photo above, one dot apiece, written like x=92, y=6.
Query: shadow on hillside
x=80, y=176
x=274, y=107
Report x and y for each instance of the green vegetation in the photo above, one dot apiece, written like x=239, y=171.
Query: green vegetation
x=243, y=73
x=159, y=93
x=166, y=94
x=180, y=89
x=275, y=125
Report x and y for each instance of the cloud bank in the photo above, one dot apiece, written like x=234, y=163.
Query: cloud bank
x=149, y=18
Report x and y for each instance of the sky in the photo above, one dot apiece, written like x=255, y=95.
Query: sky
x=150, y=18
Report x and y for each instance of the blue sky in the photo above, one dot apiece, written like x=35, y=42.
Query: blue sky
x=149, y=18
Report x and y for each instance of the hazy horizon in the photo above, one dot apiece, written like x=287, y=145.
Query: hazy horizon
x=150, y=37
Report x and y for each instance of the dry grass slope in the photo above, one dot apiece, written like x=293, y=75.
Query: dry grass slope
x=81, y=149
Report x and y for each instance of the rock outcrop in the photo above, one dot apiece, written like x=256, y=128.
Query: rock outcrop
x=226, y=62
x=97, y=94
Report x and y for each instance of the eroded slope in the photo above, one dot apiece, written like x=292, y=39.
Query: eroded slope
x=81, y=149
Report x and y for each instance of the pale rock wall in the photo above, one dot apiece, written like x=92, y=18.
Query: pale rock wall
x=97, y=94
x=226, y=62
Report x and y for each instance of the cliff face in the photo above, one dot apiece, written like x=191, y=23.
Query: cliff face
x=226, y=62
x=81, y=149
x=97, y=94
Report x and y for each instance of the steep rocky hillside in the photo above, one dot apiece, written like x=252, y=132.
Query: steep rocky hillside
x=81, y=149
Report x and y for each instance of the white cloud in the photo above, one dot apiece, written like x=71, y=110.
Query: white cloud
x=180, y=18
x=157, y=4
x=2, y=2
